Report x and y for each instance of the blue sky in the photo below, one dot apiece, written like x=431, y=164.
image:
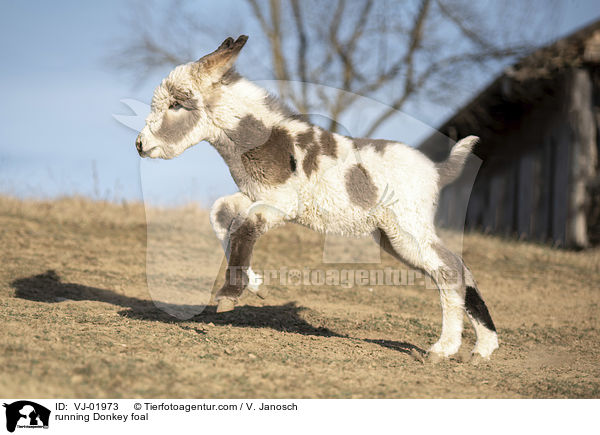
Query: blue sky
x=57, y=132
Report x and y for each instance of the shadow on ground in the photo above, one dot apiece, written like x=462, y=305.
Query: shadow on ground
x=48, y=287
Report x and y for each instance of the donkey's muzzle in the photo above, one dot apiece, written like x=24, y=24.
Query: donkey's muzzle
x=138, y=146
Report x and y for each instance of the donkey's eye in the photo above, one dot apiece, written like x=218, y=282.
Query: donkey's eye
x=175, y=106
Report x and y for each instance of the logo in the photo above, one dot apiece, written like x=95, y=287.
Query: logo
x=26, y=414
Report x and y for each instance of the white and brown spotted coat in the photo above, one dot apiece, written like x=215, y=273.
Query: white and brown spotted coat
x=289, y=170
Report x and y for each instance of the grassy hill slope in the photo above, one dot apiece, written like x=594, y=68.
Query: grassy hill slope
x=78, y=318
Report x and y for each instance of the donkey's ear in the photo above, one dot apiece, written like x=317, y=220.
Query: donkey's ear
x=222, y=59
x=228, y=43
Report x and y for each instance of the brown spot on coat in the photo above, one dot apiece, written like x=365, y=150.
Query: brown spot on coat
x=360, y=187
x=306, y=141
x=311, y=160
x=452, y=269
x=303, y=140
x=176, y=124
x=225, y=215
x=269, y=163
x=249, y=133
x=328, y=144
x=378, y=145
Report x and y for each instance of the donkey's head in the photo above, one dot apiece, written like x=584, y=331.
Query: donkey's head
x=180, y=111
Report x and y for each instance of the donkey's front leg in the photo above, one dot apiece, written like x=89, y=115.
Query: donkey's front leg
x=222, y=215
x=245, y=230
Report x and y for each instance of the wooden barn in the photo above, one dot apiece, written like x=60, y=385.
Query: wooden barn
x=538, y=124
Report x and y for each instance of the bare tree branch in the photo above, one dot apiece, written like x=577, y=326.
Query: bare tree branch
x=302, y=48
x=272, y=28
x=460, y=23
x=396, y=52
x=465, y=58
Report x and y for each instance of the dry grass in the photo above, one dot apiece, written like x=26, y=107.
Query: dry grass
x=78, y=318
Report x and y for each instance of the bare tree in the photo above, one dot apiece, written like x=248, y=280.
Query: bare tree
x=397, y=52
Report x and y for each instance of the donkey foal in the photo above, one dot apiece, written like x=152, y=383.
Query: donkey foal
x=288, y=170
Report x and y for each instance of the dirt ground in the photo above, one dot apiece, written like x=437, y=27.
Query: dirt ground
x=78, y=318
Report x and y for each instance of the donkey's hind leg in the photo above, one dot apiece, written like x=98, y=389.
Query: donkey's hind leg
x=458, y=290
x=478, y=314
x=445, y=270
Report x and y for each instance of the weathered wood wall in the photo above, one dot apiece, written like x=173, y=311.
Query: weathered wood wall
x=533, y=184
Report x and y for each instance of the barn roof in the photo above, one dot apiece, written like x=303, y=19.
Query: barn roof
x=530, y=81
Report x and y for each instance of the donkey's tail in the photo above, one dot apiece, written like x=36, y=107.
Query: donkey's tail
x=450, y=169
